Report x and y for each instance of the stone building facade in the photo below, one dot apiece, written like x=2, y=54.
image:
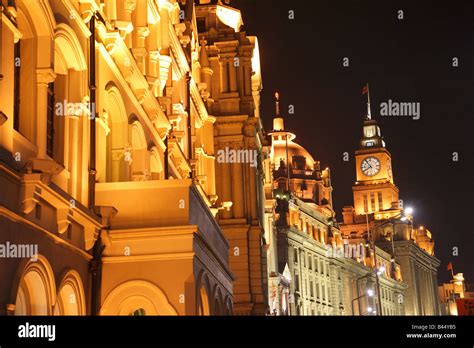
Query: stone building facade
x=330, y=274
x=378, y=215
x=112, y=114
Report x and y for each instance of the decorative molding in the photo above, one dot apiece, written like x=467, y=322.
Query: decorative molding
x=45, y=76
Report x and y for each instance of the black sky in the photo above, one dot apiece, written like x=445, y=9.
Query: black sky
x=407, y=60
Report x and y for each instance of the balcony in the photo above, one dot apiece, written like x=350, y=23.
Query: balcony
x=165, y=205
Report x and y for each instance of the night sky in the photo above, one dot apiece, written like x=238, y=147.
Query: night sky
x=409, y=60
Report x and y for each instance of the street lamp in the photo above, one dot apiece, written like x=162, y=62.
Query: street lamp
x=369, y=292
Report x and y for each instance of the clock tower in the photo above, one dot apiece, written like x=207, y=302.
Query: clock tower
x=374, y=189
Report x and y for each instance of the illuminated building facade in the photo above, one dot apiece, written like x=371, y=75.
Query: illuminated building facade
x=137, y=178
x=231, y=72
x=330, y=275
x=450, y=292
x=139, y=218
x=378, y=216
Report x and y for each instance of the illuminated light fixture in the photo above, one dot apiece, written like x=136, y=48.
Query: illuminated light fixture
x=227, y=205
x=370, y=292
x=404, y=218
x=409, y=210
x=381, y=270
x=369, y=309
x=422, y=228
x=230, y=17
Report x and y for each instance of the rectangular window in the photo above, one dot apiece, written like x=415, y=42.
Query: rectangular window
x=310, y=262
x=372, y=201
x=380, y=200
x=295, y=255
x=316, y=268
x=38, y=211
x=50, y=121
x=317, y=290
x=311, y=288
x=366, y=207
x=297, y=282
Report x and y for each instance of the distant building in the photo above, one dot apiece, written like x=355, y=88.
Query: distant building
x=378, y=215
x=230, y=70
x=330, y=275
x=450, y=292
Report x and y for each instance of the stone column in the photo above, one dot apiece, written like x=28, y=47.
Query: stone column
x=237, y=190
x=44, y=76
x=233, y=75
x=139, y=51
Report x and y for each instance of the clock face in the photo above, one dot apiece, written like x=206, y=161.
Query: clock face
x=370, y=166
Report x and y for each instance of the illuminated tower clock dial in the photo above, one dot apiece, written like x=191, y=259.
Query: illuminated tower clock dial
x=370, y=166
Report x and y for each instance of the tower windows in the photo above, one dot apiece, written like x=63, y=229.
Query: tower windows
x=380, y=200
x=366, y=207
x=372, y=201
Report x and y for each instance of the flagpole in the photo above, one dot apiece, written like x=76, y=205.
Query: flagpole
x=368, y=102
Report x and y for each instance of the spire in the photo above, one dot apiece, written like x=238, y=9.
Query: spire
x=372, y=136
x=365, y=90
x=278, y=122
x=277, y=104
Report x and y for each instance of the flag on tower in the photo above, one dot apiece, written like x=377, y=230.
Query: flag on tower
x=450, y=266
x=365, y=90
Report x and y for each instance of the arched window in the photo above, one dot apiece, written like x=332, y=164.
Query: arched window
x=25, y=64
x=118, y=150
x=71, y=297
x=203, y=302
x=36, y=290
x=34, y=76
x=156, y=164
x=139, y=155
x=70, y=113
